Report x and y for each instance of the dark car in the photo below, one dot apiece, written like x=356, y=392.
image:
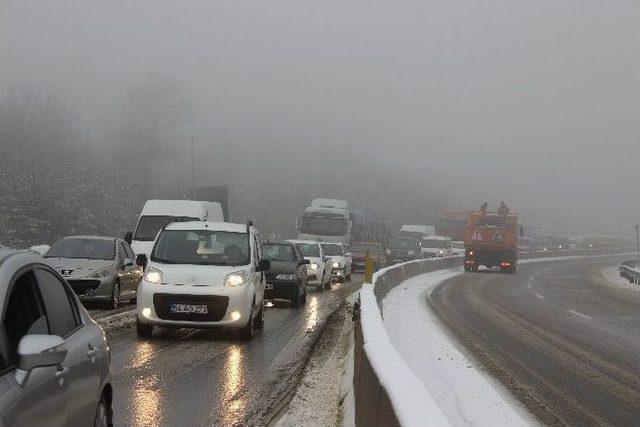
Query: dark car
x=359, y=252
x=287, y=278
x=403, y=249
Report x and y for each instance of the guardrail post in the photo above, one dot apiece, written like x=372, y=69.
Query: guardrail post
x=368, y=268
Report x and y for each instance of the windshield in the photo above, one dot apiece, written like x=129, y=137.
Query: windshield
x=309, y=249
x=203, y=247
x=408, y=244
x=323, y=226
x=83, y=249
x=150, y=226
x=363, y=247
x=332, y=250
x=278, y=252
x=434, y=243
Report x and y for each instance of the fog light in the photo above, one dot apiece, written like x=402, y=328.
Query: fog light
x=146, y=312
x=235, y=315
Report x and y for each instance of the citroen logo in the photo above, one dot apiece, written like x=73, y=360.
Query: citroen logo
x=66, y=272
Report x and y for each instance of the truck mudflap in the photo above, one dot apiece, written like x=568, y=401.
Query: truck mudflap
x=507, y=260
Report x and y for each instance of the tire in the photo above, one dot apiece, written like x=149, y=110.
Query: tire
x=114, y=302
x=246, y=332
x=143, y=331
x=347, y=277
x=296, y=298
x=304, y=296
x=104, y=413
x=259, y=320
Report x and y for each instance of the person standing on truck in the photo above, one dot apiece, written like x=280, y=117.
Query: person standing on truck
x=503, y=211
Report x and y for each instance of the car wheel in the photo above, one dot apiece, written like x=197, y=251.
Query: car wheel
x=103, y=416
x=114, y=302
x=347, y=277
x=304, y=296
x=259, y=320
x=296, y=297
x=143, y=331
x=246, y=332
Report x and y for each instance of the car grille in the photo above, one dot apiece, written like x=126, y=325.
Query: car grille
x=81, y=287
x=216, y=307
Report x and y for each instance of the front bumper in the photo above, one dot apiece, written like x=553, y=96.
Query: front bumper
x=281, y=289
x=92, y=289
x=338, y=273
x=154, y=302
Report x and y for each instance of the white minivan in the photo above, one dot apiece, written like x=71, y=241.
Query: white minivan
x=203, y=275
x=158, y=213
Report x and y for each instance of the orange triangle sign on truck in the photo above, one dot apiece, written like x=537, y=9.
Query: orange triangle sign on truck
x=498, y=237
x=477, y=236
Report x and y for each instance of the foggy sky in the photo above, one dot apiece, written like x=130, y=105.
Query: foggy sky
x=533, y=102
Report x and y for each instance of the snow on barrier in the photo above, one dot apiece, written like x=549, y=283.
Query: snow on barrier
x=387, y=391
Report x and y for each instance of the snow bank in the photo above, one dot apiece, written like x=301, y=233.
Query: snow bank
x=461, y=389
x=412, y=402
x=612, y=276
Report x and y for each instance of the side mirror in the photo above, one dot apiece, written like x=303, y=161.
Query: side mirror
x=264, y=265
x=128, y=237
x=127, y=262
x=304, y=262
x=36, y=351
x=141, y=260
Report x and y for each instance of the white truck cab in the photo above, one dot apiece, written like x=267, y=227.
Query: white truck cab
x=158, y=213
x=203, y=274
x=326, y=220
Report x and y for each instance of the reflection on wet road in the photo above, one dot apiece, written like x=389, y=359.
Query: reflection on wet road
x=203, y=377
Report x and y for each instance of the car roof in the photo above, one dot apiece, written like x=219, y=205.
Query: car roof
x=437, y=238
x=207, y=225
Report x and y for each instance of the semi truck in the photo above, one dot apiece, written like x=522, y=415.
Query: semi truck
x=326, y=220
x=491, y=239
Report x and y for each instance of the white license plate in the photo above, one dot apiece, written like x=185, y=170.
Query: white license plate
x=269, y=286
x=188, y=308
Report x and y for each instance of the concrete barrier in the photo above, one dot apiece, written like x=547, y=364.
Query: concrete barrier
x=387, y=392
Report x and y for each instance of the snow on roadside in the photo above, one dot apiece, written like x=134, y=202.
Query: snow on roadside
x=611, y=276
x=465, y=392
x=325, y=394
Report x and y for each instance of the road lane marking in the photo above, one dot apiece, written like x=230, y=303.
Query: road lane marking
x=577, y=313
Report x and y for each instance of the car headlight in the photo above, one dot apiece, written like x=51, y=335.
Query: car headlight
x=336, y=264
x=441, y=252
x=153, y=275
x=313, y=266
x=105, y=272
x=235, y=279
x=286, y=277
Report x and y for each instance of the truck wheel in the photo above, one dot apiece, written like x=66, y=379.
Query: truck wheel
x=114, y=301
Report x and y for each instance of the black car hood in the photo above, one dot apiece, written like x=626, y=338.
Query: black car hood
x=278, y=267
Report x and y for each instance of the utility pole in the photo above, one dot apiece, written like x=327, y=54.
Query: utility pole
x=638, y=244
x=193, y=166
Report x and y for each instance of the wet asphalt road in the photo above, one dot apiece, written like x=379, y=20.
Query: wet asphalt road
x=203, y=377
x=565, y=343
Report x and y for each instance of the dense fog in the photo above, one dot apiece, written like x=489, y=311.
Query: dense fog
x=404, y=108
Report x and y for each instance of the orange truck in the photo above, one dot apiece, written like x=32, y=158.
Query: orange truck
x=491, y=239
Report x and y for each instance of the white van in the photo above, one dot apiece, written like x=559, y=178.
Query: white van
x=158, y=213
x=418, y=231
x=436, y=247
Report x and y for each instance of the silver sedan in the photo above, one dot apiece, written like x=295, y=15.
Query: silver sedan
x=99, y=269
x=54, y=360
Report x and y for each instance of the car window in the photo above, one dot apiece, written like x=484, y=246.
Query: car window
x=61, y=311
x=24, y=315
